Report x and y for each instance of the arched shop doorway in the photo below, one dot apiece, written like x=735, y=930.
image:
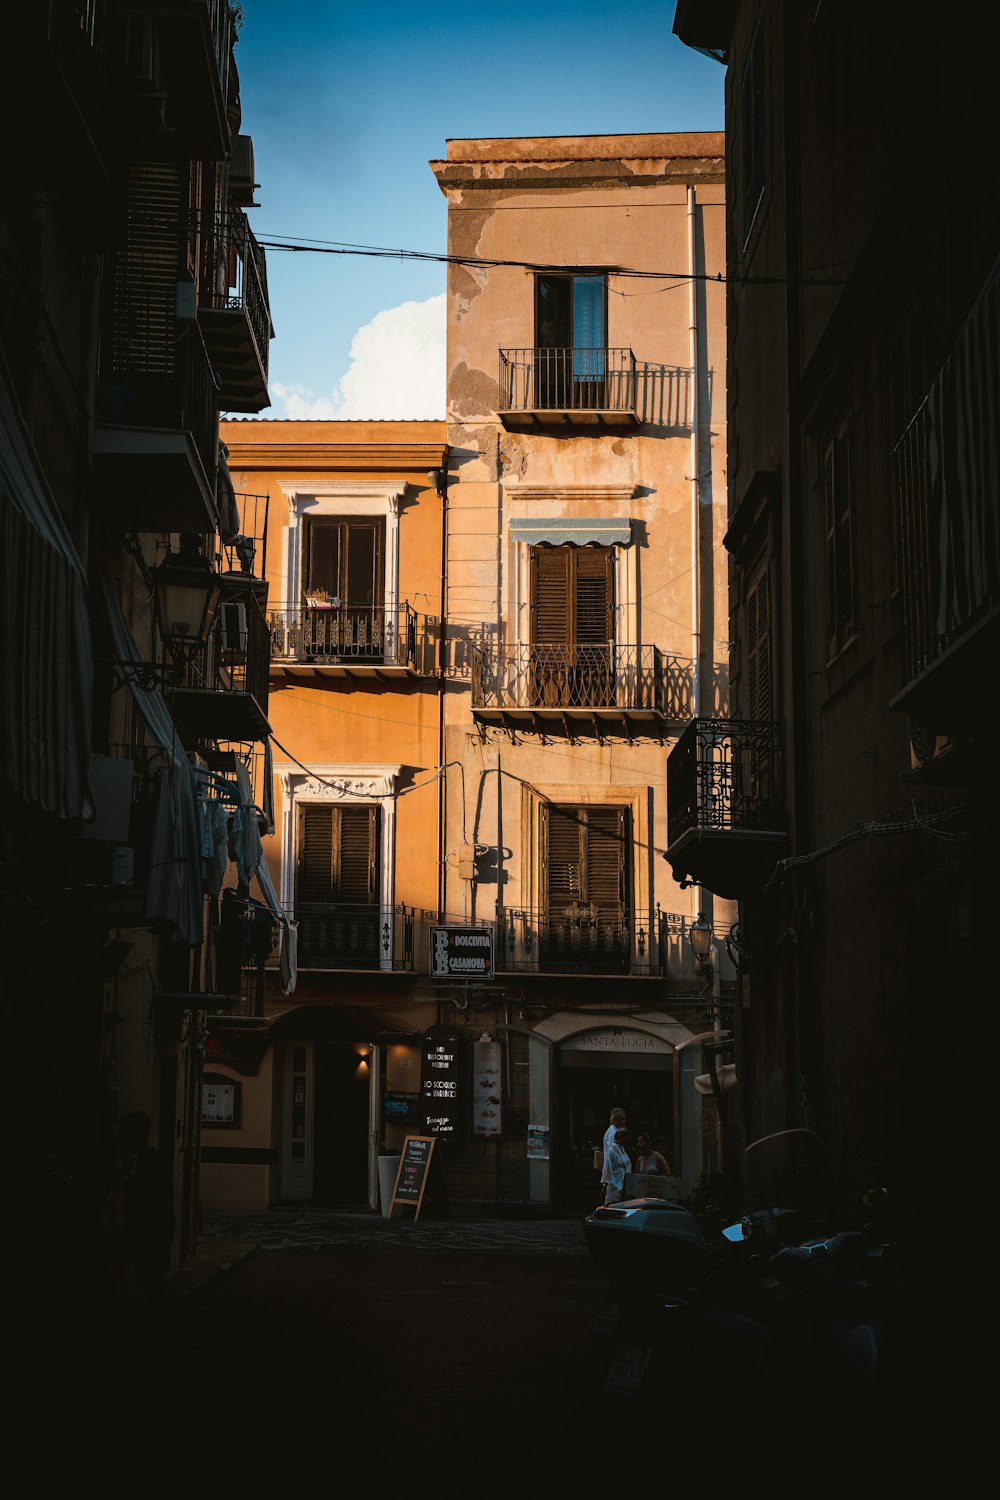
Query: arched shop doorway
x=589, y=1083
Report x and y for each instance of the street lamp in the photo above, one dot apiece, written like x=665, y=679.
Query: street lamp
x=187, y=591
x=701, y=933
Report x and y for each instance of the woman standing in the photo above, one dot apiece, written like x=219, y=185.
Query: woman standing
x=648, y=1159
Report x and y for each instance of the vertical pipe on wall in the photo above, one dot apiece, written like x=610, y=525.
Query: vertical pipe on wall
x=695, y=462
x=442, y=665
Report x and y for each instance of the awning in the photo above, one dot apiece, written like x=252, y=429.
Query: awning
x=726, y=1076
x=324, y=1022
x=579, y=531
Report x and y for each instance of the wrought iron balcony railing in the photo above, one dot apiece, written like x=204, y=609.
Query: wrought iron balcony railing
x=607, y=678
x=599, y=380
x=234, y=311
x=725, y=809
x=581, y=938
x=222, y=691
x=334, y=935
x=723, y=774
x=327, y=634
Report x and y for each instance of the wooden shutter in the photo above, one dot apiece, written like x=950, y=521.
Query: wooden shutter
x=759, y=645
x=143, y=332
x=346, y=558
x=605, y=872
x=338, y=854
x=584, y=852
x=358, y=851
x=550, y=568
x=592, y=595
x=572, y=595
x=839, y=543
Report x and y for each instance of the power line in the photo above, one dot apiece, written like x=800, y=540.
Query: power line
x=296, y=246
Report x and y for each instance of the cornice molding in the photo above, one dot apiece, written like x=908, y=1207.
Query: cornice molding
x=336, y=457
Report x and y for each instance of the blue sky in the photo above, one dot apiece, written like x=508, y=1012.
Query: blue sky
x=346, y=105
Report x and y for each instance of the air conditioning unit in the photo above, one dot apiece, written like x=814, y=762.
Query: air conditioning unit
x=242, y=182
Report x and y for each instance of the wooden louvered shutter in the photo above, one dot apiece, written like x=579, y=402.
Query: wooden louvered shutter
x=839, y=544
x=316, y=863
x=563, y=856
x=147, y=271
x=551, y=595
x=585, y=856
x=759, y=646
x=338, y=854
x=605, y=870
x=592, y=595
x=358, y=846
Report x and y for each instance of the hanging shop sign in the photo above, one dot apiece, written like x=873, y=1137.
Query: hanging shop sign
x=487, y=1093
x=462, y=952
x=441, y=1081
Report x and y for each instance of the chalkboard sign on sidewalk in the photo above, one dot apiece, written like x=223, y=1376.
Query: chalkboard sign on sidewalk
x=418, y=1175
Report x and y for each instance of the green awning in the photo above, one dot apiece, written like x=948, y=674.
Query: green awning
x=579, y=531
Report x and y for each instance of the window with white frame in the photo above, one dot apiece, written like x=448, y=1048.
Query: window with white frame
x=338, y=863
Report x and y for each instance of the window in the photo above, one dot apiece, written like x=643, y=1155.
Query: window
x=572, y=612
x=336, y=903
x=758, y=638
x=584, y=874
x=754, y=135
x=342, y=583
x=570, y=324
x=838, y=512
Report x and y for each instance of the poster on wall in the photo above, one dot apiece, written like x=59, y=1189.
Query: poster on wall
x=487, y=1093
x=538, y=1143
x=441, y=1080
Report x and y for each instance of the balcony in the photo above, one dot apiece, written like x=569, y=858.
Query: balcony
x=156, y=440
x=725, y=816
x=234, y=314
x=365, y=641
x=544, y=686
x=583, y=938
x=585, y=388
x=58, y=46
x=337, y=936
x=223, y=691
x=947, y=477
x=176, y=64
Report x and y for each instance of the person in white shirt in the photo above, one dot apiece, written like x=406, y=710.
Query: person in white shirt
x=616, y=1163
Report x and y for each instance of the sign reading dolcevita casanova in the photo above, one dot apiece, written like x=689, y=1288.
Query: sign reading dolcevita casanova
x=464, y=951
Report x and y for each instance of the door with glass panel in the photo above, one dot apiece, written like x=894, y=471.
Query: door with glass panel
x=570, y=338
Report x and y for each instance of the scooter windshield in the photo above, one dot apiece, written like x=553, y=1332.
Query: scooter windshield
x=791, y=1172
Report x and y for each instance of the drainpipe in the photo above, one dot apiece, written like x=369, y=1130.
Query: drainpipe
x=695, y=462
x=442, y=664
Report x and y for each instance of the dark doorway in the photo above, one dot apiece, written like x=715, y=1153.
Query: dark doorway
x=340, y=1124
x=587, y=1089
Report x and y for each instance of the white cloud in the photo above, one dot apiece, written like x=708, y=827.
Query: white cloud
x=397, y=372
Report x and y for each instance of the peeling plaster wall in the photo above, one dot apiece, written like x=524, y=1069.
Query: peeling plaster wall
x=614, y=202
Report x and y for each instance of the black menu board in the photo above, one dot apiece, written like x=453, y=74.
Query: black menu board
x=441, y=1080
x=417, y=1167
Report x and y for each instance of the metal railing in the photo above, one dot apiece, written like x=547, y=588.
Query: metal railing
x=332, y=634
x=598, y=379
x=335, y=935
x=246, y=553
x=725, y=775
x=235, y=658
x=586, y=938
x=234, y=276
x=581, y=677
x=163, y=380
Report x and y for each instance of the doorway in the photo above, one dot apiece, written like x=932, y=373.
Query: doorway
x=587, y=1089
x=340, y=1124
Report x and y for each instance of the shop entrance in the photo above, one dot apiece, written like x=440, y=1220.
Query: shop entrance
x=340, y=1124
x=587, y=1089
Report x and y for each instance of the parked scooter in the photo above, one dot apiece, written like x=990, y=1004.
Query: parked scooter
x=783, y=1307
